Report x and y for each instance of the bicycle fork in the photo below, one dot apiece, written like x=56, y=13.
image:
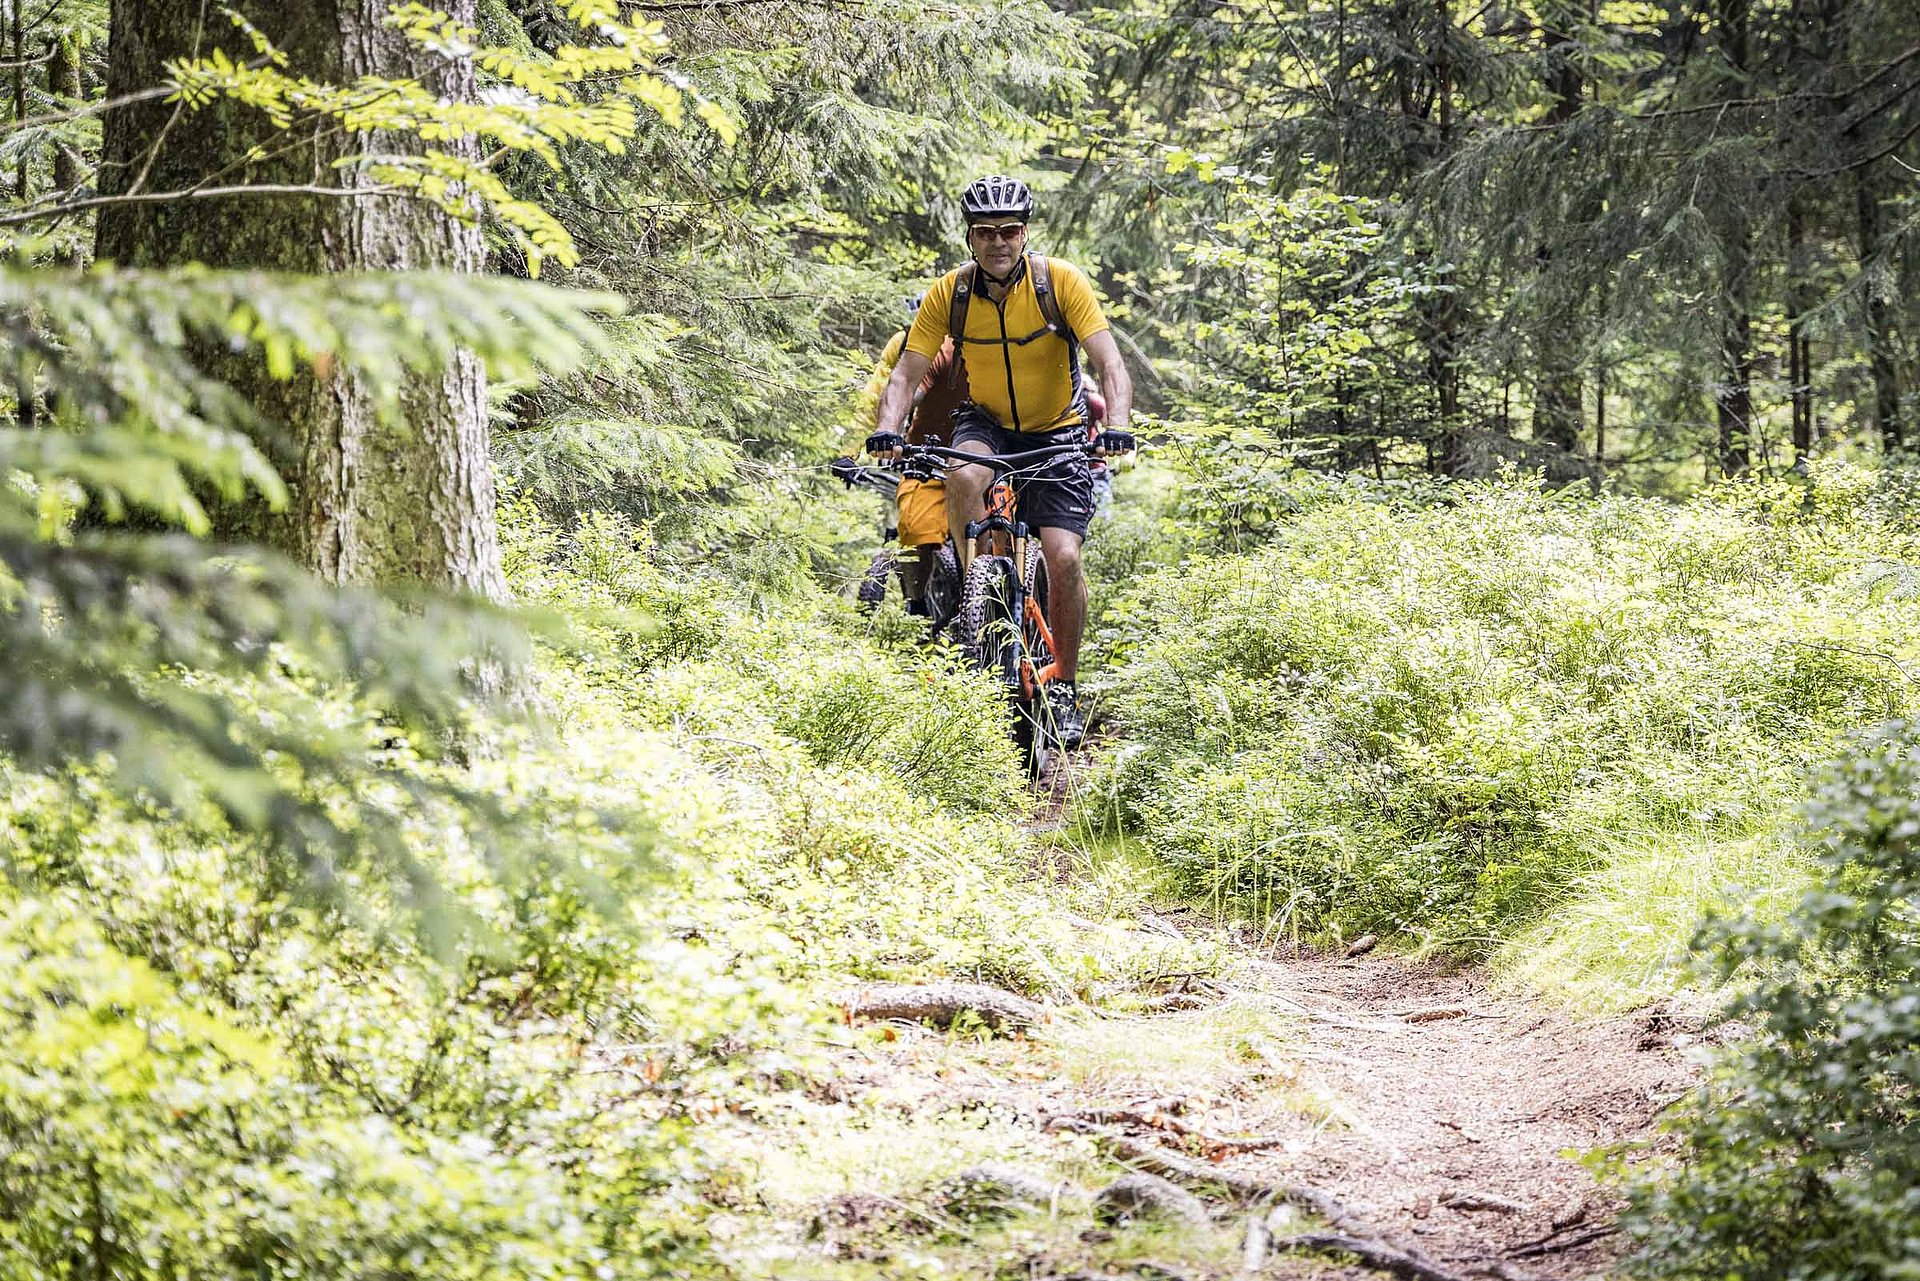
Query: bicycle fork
x=1027, y=610
x=1023, y=611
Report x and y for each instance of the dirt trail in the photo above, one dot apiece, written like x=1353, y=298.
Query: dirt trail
x=1448, y=1119
x=1447, y=1116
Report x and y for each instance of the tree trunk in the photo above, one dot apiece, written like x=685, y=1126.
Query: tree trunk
x=17, y=30
x=1879, y=335
x=1556, y=399
x=63, y=83
x=1557, y=389
x=1441, y=312
x=1799, y=344
x=1600, y=416
x=377, y=498
x=1733, y=391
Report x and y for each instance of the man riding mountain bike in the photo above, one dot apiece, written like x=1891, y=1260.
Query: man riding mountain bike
x=1018, y=322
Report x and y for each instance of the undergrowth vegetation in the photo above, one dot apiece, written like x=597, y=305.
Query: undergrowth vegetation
x=542, y=1073
x=1802, y=1156
x=1444, y=716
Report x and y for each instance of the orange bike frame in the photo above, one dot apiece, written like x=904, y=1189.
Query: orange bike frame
x=1000, y=502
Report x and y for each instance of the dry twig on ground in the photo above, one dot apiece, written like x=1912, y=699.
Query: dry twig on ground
x=942, y=1003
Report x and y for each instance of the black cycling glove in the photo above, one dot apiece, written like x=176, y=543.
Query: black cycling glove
x=847, y=469
x=885, y=442
x=1115, y=442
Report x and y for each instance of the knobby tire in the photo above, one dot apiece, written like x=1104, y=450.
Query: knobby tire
x=872, y=589
x=1036, y=715
x=983, y=628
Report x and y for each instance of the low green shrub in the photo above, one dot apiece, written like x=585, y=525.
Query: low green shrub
x=1801, y=1153
x=526, y=1059
x=1440, y=719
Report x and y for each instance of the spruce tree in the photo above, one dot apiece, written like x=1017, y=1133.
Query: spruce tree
x=393, y=492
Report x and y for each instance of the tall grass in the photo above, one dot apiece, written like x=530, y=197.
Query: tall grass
x=1453, y=720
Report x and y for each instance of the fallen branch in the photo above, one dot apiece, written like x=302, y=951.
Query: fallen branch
x=942, y=1003
x=1481, y=1201
x=1434, y=1015
x=1154, y=1117
x=1547, y=1245
x=1374, y=1253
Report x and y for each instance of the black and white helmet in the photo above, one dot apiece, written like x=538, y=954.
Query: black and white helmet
x=996, y=197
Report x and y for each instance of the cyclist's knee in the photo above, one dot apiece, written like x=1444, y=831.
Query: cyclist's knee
x=1063, y=556
x=967, y=483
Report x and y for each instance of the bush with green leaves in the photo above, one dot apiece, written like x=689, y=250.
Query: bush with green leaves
x=475, y=1053
x=862, y=767
x=1801, y=1150
x=1434, y=719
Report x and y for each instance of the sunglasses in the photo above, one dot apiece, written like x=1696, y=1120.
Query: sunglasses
x=1007, y=231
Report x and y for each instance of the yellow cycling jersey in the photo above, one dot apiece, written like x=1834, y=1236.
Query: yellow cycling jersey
x=1026, y=377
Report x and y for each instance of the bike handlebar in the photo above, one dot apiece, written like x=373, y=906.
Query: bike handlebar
x=998, y=462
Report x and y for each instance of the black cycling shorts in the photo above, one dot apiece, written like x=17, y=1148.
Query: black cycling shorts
x=1059, y=497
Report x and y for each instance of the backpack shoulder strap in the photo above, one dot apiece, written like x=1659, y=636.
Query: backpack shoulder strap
x=1042, y=272
x=957, y=308
x=957, y=324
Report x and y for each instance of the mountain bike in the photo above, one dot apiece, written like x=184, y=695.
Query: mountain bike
x=942, y=590
x=1001, y=622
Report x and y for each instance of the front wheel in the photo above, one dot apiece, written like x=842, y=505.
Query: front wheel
x=872, y=588
x=943, y=588
x=986, y=628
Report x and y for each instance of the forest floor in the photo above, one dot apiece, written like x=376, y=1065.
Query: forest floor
x=1445, y=1120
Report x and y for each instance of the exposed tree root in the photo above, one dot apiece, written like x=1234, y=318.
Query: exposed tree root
x=1548, y=1245
x=1354, y=1236
x=1481, y=1201
x=1373, y=1252
x=1241, y=1187
x=1159, y=1115
x=942, y=1003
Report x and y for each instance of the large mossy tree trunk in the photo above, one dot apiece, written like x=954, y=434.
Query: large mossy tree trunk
x=404, y=498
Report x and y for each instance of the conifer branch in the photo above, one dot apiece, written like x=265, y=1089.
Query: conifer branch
x=192, y=193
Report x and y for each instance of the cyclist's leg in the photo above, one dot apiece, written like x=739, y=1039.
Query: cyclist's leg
x=1059, y=503
x=914, y=567
x=923, y=524
x=1066, y=597
x=967, y=486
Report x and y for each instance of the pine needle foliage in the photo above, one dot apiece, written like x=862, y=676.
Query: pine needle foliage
x=131, y=640
x=756, y=265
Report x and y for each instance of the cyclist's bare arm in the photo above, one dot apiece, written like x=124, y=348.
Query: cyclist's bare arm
x=897, y=400
x=1103, y=353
